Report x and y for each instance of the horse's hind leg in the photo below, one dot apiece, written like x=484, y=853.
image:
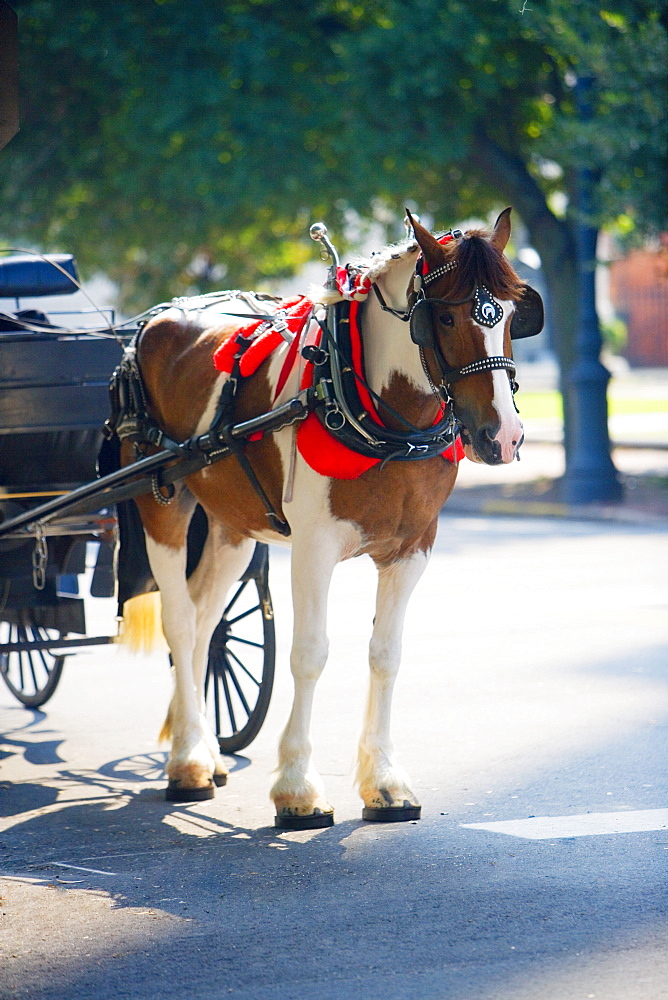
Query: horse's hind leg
x=220, y=565
x=191, y=764
x=382, y=783
x=190, y=612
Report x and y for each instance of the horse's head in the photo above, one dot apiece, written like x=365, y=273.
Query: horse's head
x=467, y=305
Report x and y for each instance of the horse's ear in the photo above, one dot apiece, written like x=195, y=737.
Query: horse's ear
x=501, y=233
x=431, y=248
x=529, y=315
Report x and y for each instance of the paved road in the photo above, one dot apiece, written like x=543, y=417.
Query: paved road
x=534, y=685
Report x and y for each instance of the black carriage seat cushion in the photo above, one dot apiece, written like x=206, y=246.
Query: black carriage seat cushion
x=23, y=275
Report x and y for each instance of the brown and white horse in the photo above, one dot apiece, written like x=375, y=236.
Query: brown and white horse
x=390, y=512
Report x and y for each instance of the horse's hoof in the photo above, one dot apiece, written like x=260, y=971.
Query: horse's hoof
x=316, y=821
x=219, y=780
x=391, y=814
x=177, y=793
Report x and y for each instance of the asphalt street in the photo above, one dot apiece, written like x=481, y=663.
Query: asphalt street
x=531, y=712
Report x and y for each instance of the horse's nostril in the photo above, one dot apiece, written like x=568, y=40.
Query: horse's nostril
x=488, y=448
x=487, y=434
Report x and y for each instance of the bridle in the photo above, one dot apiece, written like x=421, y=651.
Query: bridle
x=486, y=311
x=335, y=387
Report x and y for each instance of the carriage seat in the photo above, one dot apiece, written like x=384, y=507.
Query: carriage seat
x=30, y=276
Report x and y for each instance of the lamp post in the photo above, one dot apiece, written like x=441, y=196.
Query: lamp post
x=590, y=473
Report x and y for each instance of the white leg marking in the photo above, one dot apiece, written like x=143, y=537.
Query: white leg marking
x=190, y=760
x=299, y=790
x=381, y=782
x=220, y=566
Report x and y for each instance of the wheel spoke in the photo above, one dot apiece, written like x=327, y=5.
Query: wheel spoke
x=246, y=642
x=32, y=671
x=238, y=592
x=44, y=663
x=242, y=697
x=228, y=697
x=244, y=614
x=20, y=637
x=43, y=634
x=230, y=652
x=216, y=701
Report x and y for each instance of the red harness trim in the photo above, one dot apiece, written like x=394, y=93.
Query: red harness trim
x=298, y=310
x=423, y=263
x=321, y=450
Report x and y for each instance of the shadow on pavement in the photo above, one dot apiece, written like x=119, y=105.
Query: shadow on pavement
x=178, y=903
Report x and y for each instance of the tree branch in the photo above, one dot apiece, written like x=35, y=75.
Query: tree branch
x=508, y=174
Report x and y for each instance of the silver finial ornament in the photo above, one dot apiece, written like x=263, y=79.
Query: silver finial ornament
x=318, y=231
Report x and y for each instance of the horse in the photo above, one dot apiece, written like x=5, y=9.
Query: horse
x=435, y=317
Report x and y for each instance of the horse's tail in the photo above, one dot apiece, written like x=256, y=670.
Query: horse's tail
x=166, y=731
x=141, y=630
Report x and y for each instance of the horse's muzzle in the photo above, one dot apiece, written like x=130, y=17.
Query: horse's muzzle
x=487, y=449
x=487, y=446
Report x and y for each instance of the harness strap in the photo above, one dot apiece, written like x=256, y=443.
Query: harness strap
x=484, y=365
x=350, y=417
x=237, y=448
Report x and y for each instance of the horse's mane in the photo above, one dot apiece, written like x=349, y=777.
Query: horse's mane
x=381, y=261
x=373, y=266
x=479, y=262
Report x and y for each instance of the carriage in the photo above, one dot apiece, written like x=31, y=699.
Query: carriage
x=54, y=400
x=344, y=414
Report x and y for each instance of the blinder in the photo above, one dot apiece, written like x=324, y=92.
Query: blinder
x=422, y=322
x=527, y=320
x=529, y=316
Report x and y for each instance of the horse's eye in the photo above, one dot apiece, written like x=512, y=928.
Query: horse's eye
x=446, y=319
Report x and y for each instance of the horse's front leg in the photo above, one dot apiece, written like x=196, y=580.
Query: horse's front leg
x=298, y=792
x=383, y=785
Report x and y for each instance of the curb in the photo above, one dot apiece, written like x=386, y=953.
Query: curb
x=500, y=507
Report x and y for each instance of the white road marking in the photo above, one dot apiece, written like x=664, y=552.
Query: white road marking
x=79, y=868
x=586, y=825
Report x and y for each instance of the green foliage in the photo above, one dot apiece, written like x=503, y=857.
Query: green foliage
x=615, y=334
x=158, y=133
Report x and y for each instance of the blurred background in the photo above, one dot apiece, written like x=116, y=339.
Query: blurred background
x=181, y=146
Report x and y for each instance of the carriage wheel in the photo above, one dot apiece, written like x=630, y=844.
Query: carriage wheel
x=240, y=672
x=31, y=675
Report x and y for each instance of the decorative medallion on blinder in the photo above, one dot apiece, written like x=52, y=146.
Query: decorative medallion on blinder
x=486, y=310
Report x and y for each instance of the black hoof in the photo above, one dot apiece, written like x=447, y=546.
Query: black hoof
x=219, y=780
x=176, y=793
x=391, y=814
x=316, y=821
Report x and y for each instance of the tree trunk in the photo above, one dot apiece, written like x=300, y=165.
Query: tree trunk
x=554, y=240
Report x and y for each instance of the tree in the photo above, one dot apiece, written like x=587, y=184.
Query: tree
x=164, y=139
x=487, y=96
